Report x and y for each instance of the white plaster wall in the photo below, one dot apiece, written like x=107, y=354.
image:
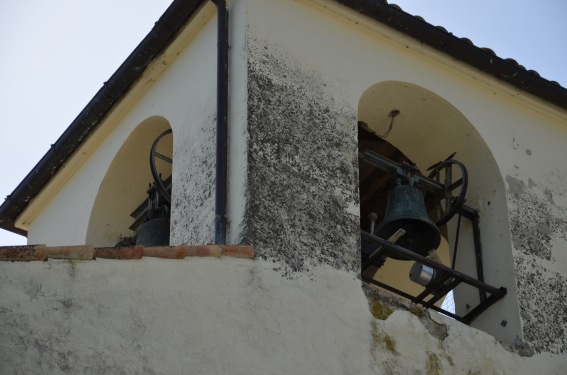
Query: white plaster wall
x=510, y=122
x=185, y=95
x=354, y=57
x=191, y=95
x=526, y=136
x=224, y=316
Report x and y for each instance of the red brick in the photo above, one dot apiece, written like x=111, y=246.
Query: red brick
x=182, y=251
x=167, y=252
x=134, y=252
x=85, y=252
x=24, y=253
x=204, y=251
x=238, y=251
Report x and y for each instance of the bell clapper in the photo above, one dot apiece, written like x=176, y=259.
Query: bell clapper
x=373, y=216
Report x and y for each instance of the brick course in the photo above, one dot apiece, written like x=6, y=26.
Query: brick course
x=22, y=253
x=28, y=253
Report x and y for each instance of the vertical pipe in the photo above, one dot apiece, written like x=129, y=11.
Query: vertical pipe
x=222, y=123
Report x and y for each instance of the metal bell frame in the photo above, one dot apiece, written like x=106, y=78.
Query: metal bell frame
x=152, y=217
x=448, y=278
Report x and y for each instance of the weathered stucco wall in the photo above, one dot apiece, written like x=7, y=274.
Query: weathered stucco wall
x=181, y=89
x=538, y=212
x=226, y=316
x=302, y=164
x=311, y=76
x=293, y=185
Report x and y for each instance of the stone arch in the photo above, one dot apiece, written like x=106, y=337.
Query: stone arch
x=427, y=130
x=125, y=184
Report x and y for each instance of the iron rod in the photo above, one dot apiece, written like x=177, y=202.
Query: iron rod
x=478, y=255
x=392, y=167
x=483, y=306
x=413, y=299
x=418, y=258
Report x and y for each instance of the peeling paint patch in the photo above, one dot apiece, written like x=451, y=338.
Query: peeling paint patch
x=302, y=165
x=383, y=305
x=515, y=186
x=538, y=226
x=380, y=311
x=549, y=196
x=531, y=224
x=542, y=295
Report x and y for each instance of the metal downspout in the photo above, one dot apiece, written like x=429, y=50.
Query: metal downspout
x=222, y=123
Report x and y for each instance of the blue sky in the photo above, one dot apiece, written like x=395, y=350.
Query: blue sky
x=56, y=55
x=531, y=32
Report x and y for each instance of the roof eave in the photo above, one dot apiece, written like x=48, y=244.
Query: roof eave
x=459, y=49
x=161, y=35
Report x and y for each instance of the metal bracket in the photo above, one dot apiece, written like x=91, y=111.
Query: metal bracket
x=438, y=289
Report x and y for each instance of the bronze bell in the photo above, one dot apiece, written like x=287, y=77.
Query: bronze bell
x=154, y=232
x=406, y=210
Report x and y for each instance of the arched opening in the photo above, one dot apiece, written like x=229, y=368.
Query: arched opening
x=411, y=125
x=121, y=204
x=375, y=186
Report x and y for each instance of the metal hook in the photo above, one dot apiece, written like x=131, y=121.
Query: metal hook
x=392, y=115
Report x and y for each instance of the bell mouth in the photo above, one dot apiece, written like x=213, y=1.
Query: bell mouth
x=154, y=232
x=421, y=237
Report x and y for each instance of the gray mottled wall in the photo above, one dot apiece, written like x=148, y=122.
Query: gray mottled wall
x=193, y=205
x=302, y=164
x=539, y=230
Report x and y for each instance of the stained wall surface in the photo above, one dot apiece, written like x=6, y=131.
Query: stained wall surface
x=182, y=97
x=304, y=87
x=293, y=192
x=225, y=316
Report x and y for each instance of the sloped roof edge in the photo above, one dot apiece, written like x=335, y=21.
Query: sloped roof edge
x=483, y=59
x=180, y=12
x=161, y=35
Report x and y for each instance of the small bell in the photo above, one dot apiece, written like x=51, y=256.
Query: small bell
x=155, y=231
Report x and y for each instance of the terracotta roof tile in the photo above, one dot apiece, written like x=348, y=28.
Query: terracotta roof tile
x=467, y=40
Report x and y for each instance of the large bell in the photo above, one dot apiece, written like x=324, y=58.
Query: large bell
x=154, y=232
x=406, y=210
